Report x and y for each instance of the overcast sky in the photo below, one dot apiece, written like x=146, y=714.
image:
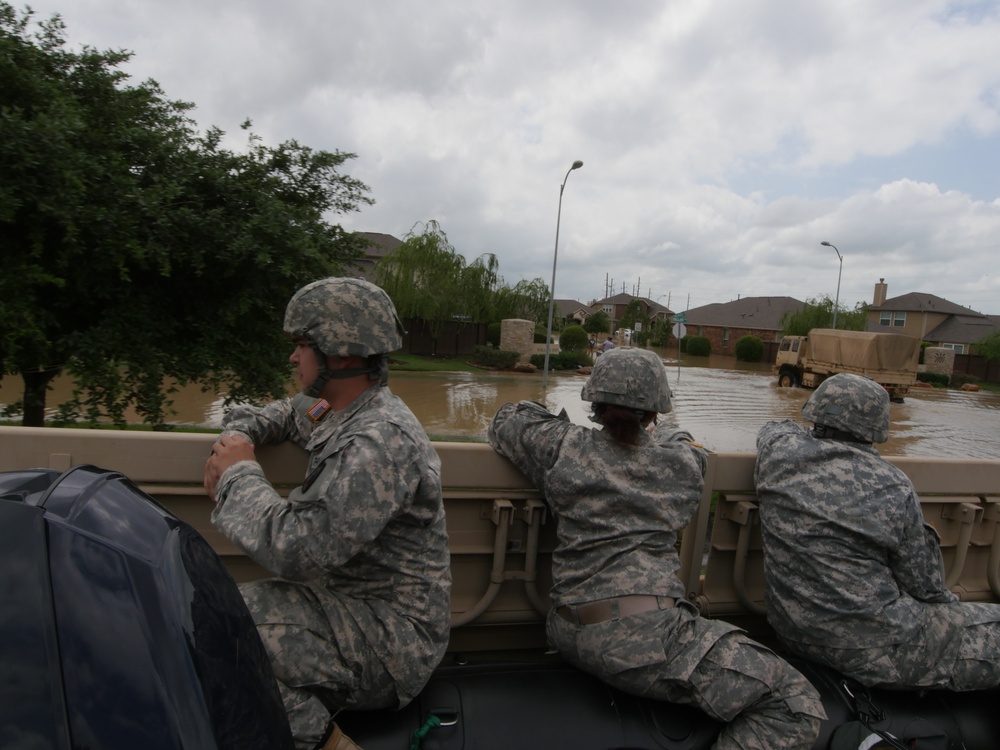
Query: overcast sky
x=721, y=141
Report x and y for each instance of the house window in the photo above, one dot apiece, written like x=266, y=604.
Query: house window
x=725, y=338
x=608, y=309
x=895, y=319
x=957, y=348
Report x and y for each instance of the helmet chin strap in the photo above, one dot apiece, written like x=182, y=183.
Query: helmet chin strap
x=377, y=371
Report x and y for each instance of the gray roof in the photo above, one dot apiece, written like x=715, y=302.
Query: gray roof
x=764, y=313
x=923, y=302
x=655, y=308
x=381, y=244
x=962, y=329
x=567, y=307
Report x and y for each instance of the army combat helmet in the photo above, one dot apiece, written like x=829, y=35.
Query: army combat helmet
x=633, y=378
x=342, y=317
x=852, y=404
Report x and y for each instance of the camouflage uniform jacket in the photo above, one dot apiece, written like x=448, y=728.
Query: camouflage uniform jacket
x=367, y=523
x=848, y=558
x=618, y=507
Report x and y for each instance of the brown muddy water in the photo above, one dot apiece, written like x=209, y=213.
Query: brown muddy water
x=723, y=403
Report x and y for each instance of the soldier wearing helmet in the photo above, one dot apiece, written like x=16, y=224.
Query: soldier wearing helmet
x=854, y=577
x=619, y=611
x=359, y=614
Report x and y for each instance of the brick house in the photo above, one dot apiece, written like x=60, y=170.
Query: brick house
x=724, y=323
x=615, y=308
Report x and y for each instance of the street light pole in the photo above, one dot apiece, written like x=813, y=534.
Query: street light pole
x=836, y=302
x=552, y=289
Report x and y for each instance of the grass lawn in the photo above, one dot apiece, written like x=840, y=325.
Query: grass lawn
x=419, y=363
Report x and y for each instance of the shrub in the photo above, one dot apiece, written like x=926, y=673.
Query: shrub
x=561, y=360
x=749, y=349
x=540, y=331
x=684, y=343
x=573, y=339
x=488, y=357
x=698, y=346
x=493, y=334
x=937, y=379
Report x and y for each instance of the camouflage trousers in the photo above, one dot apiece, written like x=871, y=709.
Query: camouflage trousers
x=677, y=656
x=958, y=648
x=319, y=654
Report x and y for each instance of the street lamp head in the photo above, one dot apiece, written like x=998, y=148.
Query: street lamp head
x=577, y=164
x=827, y=244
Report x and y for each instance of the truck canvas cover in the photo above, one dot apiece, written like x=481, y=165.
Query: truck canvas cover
x=868, y=352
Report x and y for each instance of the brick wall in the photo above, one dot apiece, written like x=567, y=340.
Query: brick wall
x=715, y=335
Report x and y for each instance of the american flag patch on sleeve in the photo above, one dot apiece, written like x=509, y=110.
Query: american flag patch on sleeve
x=317, y=410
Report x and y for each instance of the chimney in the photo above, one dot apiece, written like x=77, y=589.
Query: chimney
x=881, y=290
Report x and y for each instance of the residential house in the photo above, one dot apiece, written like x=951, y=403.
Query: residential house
x=929, y=318
x=724, y=323
x=379, y=246
x=616, y=305
x=571, y=312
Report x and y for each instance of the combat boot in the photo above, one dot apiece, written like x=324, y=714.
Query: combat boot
x=339, y=741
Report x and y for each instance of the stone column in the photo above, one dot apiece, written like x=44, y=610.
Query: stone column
x=939, y=359
x=518, y=336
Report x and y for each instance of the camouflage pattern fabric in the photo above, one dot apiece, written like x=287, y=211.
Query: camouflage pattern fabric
x=618, y=511
x=849, y=560
x=360, y=614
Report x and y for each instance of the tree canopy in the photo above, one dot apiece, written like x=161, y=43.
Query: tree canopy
x=138, y=250
x=989, y=345
x=818, y=313
x=427, y=278
x=597, y=322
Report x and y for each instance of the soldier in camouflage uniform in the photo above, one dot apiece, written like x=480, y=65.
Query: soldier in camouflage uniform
x=620, y=494
x=359, y=616
x=854, y=576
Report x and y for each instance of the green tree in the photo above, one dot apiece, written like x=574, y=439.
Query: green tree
x=573, y=339
x=818, y=313
x=598, y=322
x=635, y=312
x=989, y=345
x=662, y=333
x=137, y=251
x=427, y=278
x=526, y=300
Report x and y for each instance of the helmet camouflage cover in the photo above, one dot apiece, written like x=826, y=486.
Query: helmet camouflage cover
x=345, y=318
x=852, y=403
x=633, y=378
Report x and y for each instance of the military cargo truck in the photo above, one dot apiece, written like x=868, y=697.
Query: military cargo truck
x=890, y=359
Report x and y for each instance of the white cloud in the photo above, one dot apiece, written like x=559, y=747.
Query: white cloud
x=721, y=142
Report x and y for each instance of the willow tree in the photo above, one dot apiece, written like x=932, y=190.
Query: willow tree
x=818, y=313
x=526, y=300
x=428, y=279
x=137, y=251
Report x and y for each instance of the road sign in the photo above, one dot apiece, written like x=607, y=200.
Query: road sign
x=680, y=318
x=679, y=330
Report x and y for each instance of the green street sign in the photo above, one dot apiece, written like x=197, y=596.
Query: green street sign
x=680, y=318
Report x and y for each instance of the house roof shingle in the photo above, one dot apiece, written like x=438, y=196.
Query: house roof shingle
x=764, y=313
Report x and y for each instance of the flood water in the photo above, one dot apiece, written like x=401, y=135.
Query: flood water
x=723, y=403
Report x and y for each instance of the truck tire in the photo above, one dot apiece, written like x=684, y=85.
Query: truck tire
x=787, y=379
